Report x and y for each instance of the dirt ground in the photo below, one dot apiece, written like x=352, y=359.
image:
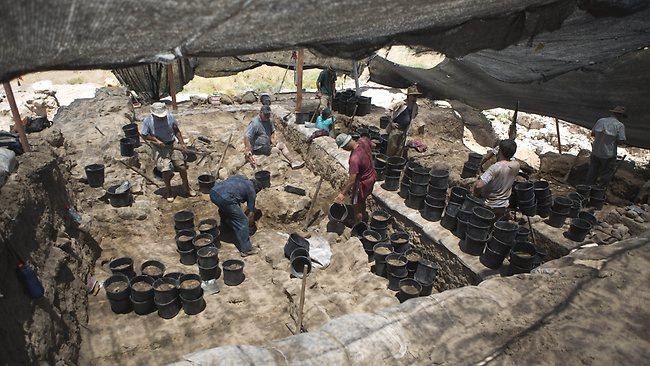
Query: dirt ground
x=254, y=312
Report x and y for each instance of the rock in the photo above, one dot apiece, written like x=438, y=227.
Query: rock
x=55, y=138
x=605, y=225
x=631, y=214
x=226, y=100
x=198, y=100
x=639, y=219
x=249, y=97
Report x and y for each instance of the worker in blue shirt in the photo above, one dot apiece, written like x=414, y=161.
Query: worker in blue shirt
x=228, y=195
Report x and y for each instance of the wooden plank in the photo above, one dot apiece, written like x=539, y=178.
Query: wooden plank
x=559, y=144
x=299, y=63
x=16, y=117
x=171, y=84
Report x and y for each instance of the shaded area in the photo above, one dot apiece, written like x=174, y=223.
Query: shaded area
x=150, y=81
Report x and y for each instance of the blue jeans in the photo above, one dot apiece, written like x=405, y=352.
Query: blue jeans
x=233, y=216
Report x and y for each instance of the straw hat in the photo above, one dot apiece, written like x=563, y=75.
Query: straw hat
x=618, y=109
x=159, y=109
x=413, y=90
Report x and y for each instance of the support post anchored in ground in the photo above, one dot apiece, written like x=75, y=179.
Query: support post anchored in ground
x=18, y=124
x=559, y=144
x=299, y=63
x=171, y=84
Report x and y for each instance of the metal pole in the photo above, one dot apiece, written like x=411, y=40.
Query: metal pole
x=16, y=116
x=559, y=144
x=299, y=62
x=171, y=84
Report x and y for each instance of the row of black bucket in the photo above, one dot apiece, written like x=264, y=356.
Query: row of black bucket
x=152, y=290
x=296, y=250
x=394, y=258
x=95, y=179
x=348, y=103
x=203, y=249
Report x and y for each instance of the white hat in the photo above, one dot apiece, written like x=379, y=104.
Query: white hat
x=159, y=109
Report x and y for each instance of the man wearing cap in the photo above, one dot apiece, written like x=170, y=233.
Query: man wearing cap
x=228, y=195
x=258, y=139
x=401, y=116
x=326, y=85
x=161, y=130
x=608, y=133
x=495, y=185
x=362, y=173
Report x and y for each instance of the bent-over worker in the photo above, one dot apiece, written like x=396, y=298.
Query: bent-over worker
x=161, y=129
x=326, y=86
x=258, y=139
x=608, y=134
x=495, y=185
x=228, y=195
x=401, y=116
x=362, y=173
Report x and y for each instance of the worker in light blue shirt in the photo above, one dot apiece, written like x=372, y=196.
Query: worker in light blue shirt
x=325, y=120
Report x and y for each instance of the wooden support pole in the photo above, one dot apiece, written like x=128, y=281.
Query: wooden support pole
x=16, y=117
x=355, y=73
x=302, y=298
x=300, y=59
x=559, y=144
x=171, y=84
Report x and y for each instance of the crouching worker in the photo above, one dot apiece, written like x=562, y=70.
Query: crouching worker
x=228, y=195
x=161, y=130
x=258, y=140
x=495, y=185
x=324, y=123
x=362, y=173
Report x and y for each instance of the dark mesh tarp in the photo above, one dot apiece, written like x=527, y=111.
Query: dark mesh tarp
x=150, y=81
x=575, y=73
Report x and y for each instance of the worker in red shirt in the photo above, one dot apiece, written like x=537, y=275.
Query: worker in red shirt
x=362, y=173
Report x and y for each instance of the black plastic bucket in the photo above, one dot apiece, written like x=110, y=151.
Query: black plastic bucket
x=131, y=130
x=474, y=158
x=379, y=218
x=431, y=212
x=436, y=192
x=562, y=205
x=189, y=286
x=528, y=210
x=118, y=293
x=589, y=217
x=472, y=201
x=206, y=181
x=123, y=266
x=118, y=200
x=584, y=190
x=396, y=264
x=478, y=231
x=95, y=175
x=209, y=273
x=152, y=268
x=575, y=196
x=418, y=188
x=381, y=173
x=523, y=254
x=193, y=306
x=482, y=216
x=299, y=252
x=543, y=210
x=596, y=203
x=233, y=272
x=576, y=206
x=358, y=229
x=415, y=201
x=209, y=226
x=369, y=239
x=408, y=289
x=469, y=170
x=203, y=240
x=597, y=192
x=404, y=189
x=426, y=271
x=523, y=234
x=448, y=220
x=384, y=121
x=143, y=307
x=294, y=242
x=298, y=264
x=525, y=191
x=208, y=256
x=394, y=279
x=473, y=245
x=544, y=200
x=380, y=252
x=363, y=132
x=458, y=194
x=338, y=212
x=400, y=241
x=505, y=231
x=435, y=201
x=264, y=178
x=396, y=163
x=175, y=275
x=541, y=189
x=412, y=259
x=439, y=178
x=127, y=146
x=165, y=290
x=184, y=239
x=500, y=247
x=419, y=175
x=427, y=288
x=142, y=288
x=578, y=230
x=491, y=259
x=461, y=229
x=168, y=310
x=184, y=220
x=556, y=219
x=391, y=183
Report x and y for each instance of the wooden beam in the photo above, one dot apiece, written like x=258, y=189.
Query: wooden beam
x=18, y=123
x=171, y=84
x=355, y=73
x=559, y=144
x=299, y=63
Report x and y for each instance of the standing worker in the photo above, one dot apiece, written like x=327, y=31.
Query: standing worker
x=608, y=133
x=228, y=195
x=326, y=86
x=362, y=173
x=401, y=116
x=495, y=185
x=161, y=129
x=258, y=139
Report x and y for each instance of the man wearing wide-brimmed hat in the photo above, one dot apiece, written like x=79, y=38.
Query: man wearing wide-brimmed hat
x=161, y=130
x=608, y=134
x=401, y=116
